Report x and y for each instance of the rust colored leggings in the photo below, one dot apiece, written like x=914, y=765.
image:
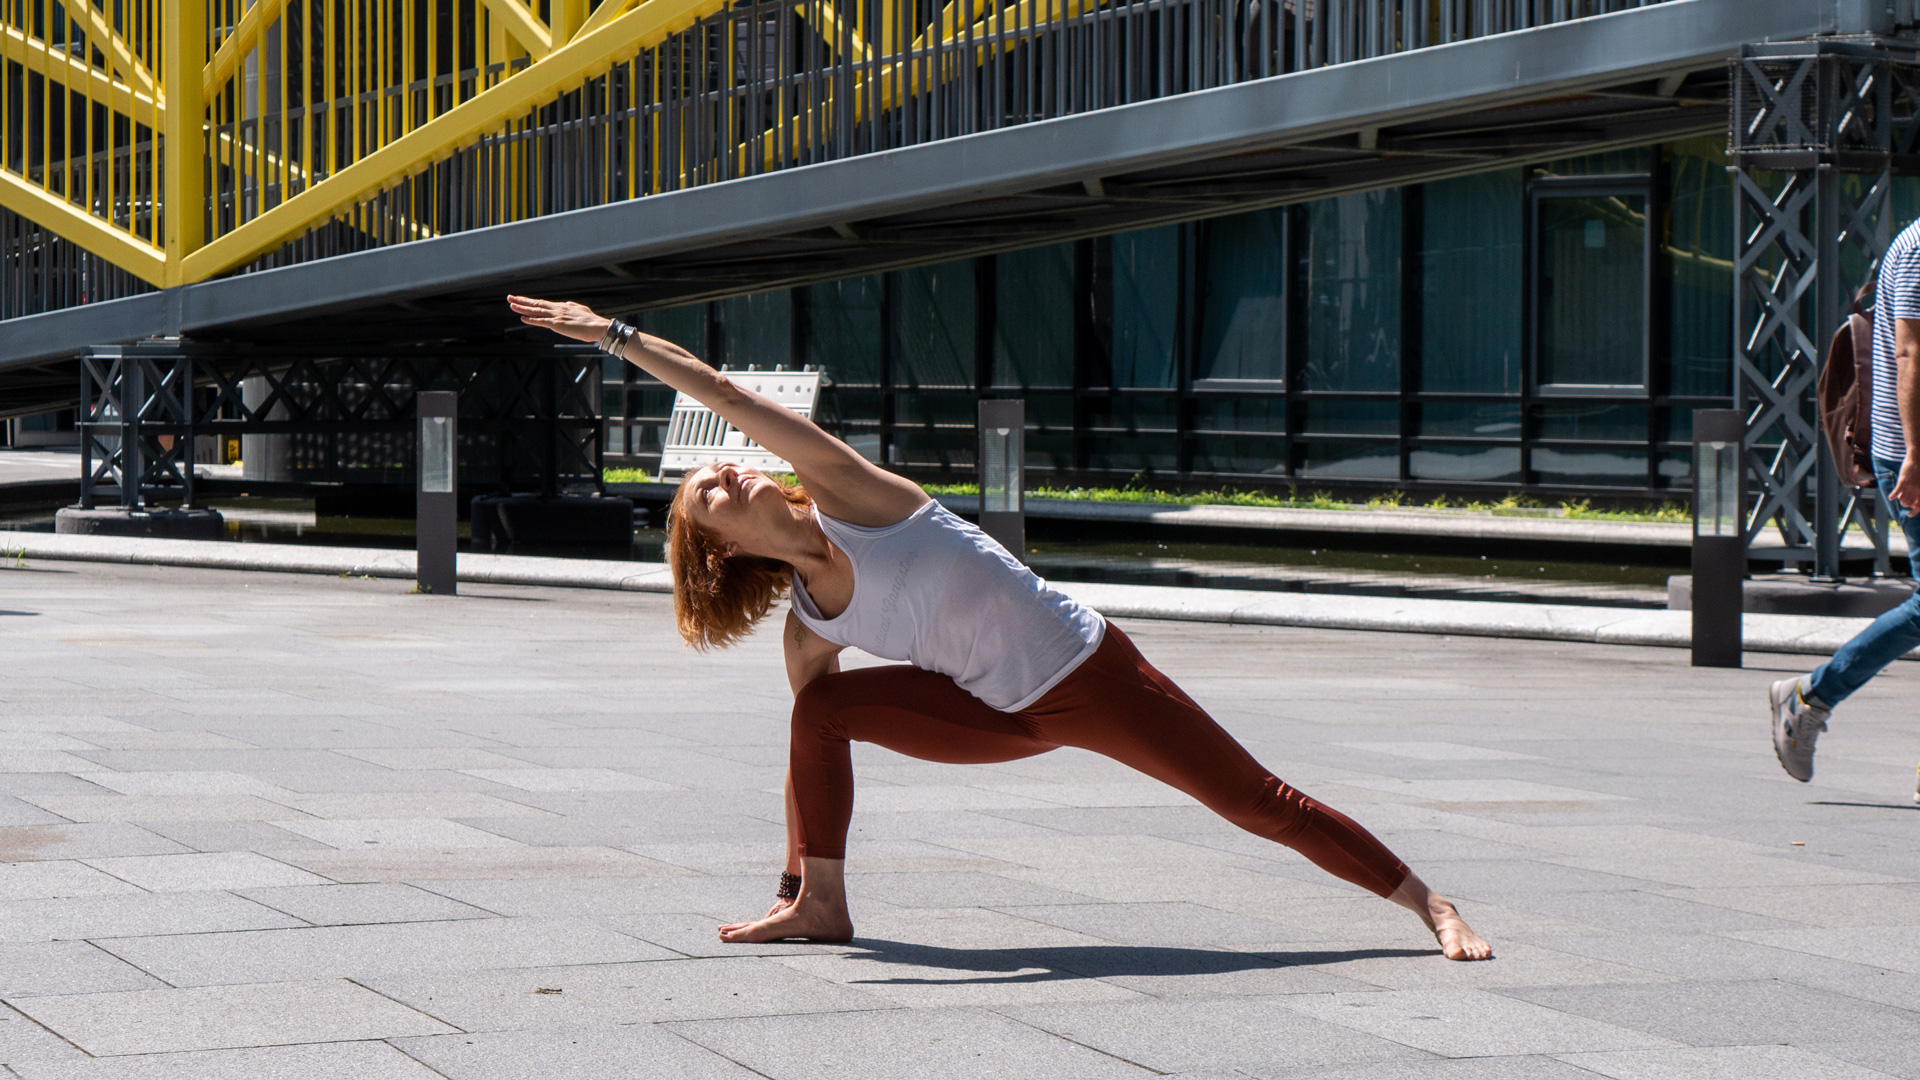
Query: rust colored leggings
x=1114, y=703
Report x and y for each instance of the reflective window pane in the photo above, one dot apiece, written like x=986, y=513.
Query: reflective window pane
x=1146, y=298
x=1242, y=291
x=1613, y=423
x=1471, y=284
x=1479, y=464
x=1700, y=246
x=1241, y=454
x=1254, y=414
x=1353, y=292
x=1346, y=460
x=1353, y=417
x=685, y=326
x=1590, y=468
x=936, y=325
x=843, y=330
x=1474, y=419
x=1033, y=318
x=756, y=330
x=1591, y=290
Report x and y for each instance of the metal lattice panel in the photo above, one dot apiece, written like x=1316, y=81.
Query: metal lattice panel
x=528, y=415
x=1819, y=130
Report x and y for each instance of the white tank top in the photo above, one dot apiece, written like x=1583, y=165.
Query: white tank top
x=940, y=594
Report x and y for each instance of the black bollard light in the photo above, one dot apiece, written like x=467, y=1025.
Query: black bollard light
x=1003, y=454
x=436, y=506
x=1719, y=537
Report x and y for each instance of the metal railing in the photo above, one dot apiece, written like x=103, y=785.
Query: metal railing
x=307, y=128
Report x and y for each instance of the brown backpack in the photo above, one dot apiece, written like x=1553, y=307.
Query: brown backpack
x=1845, y=397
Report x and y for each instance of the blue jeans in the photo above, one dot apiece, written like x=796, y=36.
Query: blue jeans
x=1891, y=636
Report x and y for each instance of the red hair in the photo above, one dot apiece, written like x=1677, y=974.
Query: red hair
x=717, y=598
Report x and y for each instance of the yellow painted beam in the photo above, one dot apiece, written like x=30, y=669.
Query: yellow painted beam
x=183, y=183
x=564, y=18
x=76, y=226
x=602, y=15
x=522, y=25
x=580, y=59
x=829, y=29
x=117, y=53
x=57, y=64
x=227, y=58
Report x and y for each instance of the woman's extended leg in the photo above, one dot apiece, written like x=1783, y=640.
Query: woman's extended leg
x=1118, y=705
x=905, y=709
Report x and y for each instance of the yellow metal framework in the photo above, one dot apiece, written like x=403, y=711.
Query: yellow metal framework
x=180, y=140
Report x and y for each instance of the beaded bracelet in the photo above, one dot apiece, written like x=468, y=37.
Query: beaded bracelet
x=789, y=887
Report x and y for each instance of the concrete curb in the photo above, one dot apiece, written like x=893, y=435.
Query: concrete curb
x=1800, y=634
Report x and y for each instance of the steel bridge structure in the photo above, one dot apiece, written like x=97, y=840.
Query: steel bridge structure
x=335, y=176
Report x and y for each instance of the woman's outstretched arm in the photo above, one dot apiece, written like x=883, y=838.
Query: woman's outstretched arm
x=844, y=484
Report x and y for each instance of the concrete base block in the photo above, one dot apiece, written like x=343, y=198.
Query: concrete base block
x=172, y=524
x=502, y=521
x=1794, y=595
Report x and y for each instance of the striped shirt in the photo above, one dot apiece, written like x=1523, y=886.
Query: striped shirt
x=1896, y=296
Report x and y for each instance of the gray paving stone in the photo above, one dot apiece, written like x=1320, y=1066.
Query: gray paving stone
x=159, y=808
x=954, y=1044
x=1894, y=1057
x=131, y=915
x=314, y=1061
x=621, y=994
x=1712, y=1013
x=66, y=967
x=84, y=841
x=347, y=905
x=379, y=949
x=429, y=833
x=1721, y=1063
x=204, y=870
x=1176, y=923
x=16, y=811
x=1250, y=1034
x=599, y=1052
x=409, y=804
x=1517, y=1067
x=222, y=1017
x=942, y=890
x=231, y=836
x=1469, y=1023
x=55, y=878
x=491, y=863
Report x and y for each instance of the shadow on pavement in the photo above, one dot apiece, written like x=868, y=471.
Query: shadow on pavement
x=1094, y=961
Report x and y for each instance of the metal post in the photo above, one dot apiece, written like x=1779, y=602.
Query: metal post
x=1003, y=455
x=437, y=501
x=1830, y=306
x=1719, y=539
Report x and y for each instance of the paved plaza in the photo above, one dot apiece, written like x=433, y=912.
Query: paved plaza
x=261, y=826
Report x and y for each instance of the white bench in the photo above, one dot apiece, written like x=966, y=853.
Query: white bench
x=697, y=437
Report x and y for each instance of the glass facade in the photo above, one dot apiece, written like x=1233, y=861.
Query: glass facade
x=1547, y=329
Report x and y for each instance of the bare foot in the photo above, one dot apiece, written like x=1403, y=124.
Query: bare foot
x=779, y=905
x=816, y=921
x=1456, y=938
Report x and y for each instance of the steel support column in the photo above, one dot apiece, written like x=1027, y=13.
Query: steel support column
x=1819, y=130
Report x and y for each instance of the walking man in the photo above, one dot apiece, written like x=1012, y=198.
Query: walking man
x=1802, y=705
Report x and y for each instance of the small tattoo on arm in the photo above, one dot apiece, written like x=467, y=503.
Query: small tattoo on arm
x=799, y=635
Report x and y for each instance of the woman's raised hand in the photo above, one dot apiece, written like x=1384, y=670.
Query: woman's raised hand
x=562, y=317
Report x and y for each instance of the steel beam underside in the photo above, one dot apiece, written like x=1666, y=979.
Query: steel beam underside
x=788, y=227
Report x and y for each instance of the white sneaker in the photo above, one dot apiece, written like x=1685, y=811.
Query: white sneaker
x=1796, y=726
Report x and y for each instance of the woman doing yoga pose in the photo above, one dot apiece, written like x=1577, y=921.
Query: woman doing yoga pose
x=1001, y=666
